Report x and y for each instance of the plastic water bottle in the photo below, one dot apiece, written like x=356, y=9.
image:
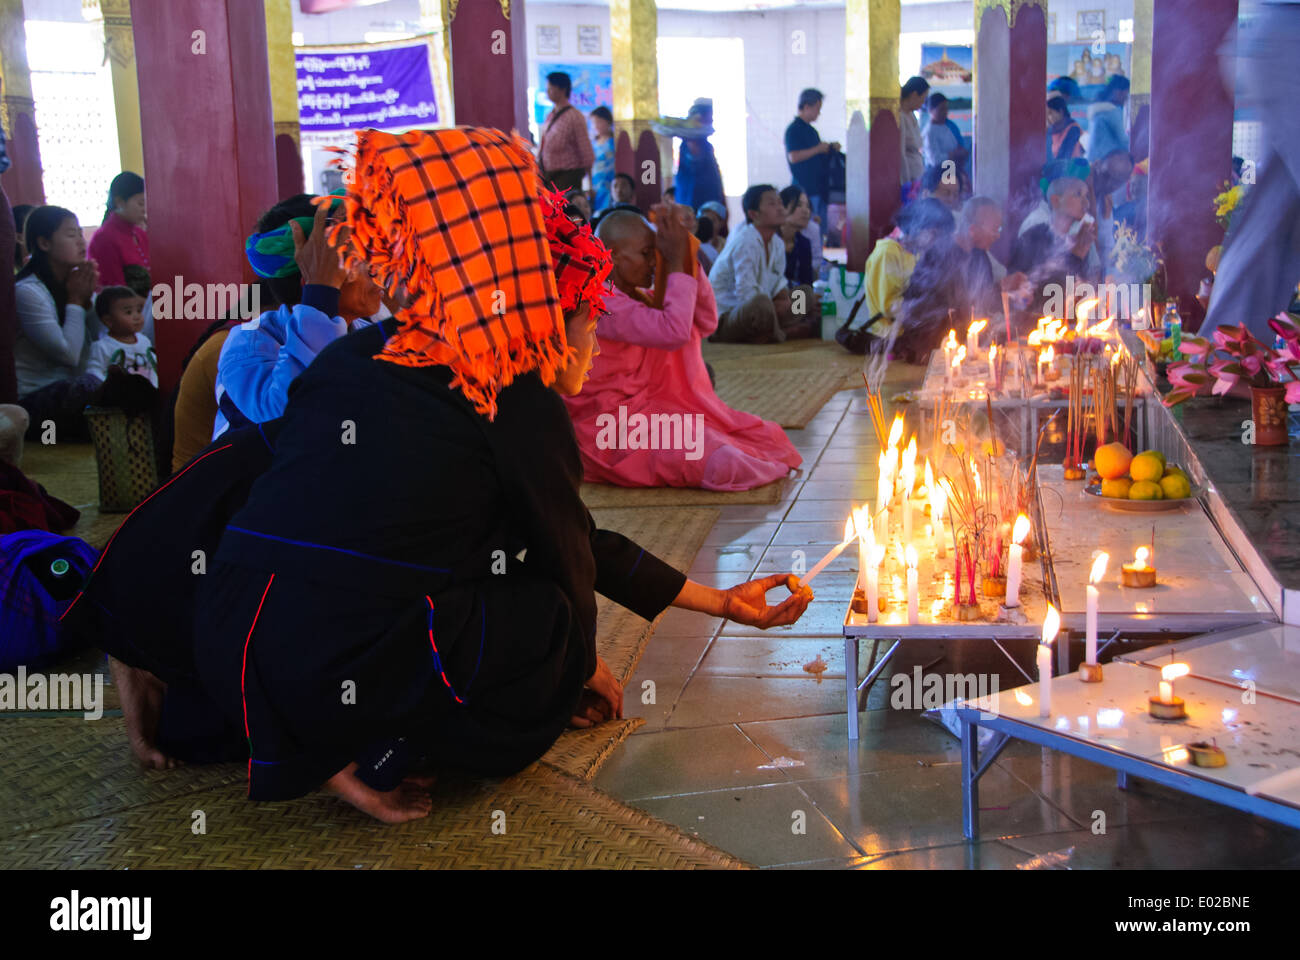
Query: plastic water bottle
x=1173, y=324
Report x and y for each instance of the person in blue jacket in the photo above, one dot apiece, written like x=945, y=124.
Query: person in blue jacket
x=319, y=302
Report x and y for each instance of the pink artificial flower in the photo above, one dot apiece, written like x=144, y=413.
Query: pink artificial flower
x=1223, y=386
x=1178, y=374
x=1293, y=392
x=1194, y=345
x=1252, y=364
x=1285, y=327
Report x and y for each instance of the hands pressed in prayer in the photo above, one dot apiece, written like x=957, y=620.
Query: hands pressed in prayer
x=319, y=260
x=82, y=281
x=671, y=239
x=601, y=700
x=1084, y=241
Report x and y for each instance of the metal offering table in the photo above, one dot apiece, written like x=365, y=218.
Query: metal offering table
x=1109, y=723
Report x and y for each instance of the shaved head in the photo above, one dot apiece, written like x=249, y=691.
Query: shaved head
x=631, y=245
x=623, y=228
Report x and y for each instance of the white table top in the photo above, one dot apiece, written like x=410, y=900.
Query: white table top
x=1268, y=655
x=1261, y=740
x=1198, y=577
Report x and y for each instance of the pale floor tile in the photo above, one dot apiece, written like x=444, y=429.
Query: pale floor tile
x=712, y=700
x=757, y=824
x=678, y=762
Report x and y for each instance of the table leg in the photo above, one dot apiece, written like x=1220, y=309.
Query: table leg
x=970, y=811
x=851, y=683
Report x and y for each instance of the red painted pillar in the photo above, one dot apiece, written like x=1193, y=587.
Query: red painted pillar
x=288, y=166
x=1011, y=111
x=1191, y=138
x=205, y=112
x=22, y=181
x=489, y=66
x=886, y=169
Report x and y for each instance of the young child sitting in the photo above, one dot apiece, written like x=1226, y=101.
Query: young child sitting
x=120, y=310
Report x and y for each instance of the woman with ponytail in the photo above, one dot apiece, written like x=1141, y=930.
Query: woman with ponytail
x=120, y=247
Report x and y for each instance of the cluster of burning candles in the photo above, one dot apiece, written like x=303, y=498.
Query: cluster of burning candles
x=897, y=498
x=1049, y=341
x=1163, y=706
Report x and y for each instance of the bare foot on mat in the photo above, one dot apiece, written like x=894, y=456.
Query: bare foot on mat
x=142, y=698
x=410, y=801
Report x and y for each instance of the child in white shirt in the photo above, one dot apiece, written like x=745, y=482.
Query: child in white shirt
x=120, y=309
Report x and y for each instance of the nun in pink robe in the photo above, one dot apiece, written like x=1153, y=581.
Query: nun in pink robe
x=648, y=416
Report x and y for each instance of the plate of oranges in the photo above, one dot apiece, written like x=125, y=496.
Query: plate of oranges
x=1140, y=482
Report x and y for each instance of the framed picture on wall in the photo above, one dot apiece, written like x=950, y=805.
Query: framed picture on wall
x=589, y=40
x=1090, y=22
x=548, y=39
x=1051, y=28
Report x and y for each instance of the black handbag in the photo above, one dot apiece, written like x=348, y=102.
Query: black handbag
x=857, y=341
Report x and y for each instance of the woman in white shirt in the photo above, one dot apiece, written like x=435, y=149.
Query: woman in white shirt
x=55, y=330
x=910, y=99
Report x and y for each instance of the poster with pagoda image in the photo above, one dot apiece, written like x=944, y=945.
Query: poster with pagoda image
x=950, y=72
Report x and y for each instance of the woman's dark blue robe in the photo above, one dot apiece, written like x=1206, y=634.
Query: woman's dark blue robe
x=368, y=599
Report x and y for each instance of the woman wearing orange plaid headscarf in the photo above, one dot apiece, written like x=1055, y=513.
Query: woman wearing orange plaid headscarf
x=415, y=573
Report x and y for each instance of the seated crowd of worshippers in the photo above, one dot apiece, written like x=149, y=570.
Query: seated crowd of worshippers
x=447, y=616
x=937, y=269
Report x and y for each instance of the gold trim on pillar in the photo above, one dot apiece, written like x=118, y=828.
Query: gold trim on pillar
x=13, y=106
x=119, y=42
x=292, y=129
x=879, y=105
x=1140, y=70
x=1011, y=8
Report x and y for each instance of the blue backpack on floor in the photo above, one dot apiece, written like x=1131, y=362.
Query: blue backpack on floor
x=40, y=573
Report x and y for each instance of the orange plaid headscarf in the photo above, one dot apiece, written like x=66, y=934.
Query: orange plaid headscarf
x=454, y=215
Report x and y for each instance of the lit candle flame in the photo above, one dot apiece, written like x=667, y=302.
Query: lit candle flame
x=975, y=472
x=1099, y=567
x=1100, y=330
x=896, y=431
x=912, y=558
x=958, y=357
x=1023, y=698
x=1036, y=338
x=993, y=354
x=1049, y=355
x=865, y=530
x=876, y=553
x=1141, y=555
x=1083, y=312
x=1020, y=530
x=1172, y=671
x=952, y=340
x=976, y=328
x=938, y=503
x=1051, y=625
x=849, y=532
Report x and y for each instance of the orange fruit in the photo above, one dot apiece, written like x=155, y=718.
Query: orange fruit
x=1146, y=466
x=1117, y=488
x=1146, y=490
x=1113, y=461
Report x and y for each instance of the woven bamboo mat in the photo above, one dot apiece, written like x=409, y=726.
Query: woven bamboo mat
x=550, y=821
x=790, y=398
x=823, y=356
x=68, y=471
x=605, y=495
x=60, y=769
x=674, y=536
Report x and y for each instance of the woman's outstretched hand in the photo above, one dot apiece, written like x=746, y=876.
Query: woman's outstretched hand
x=747, y=602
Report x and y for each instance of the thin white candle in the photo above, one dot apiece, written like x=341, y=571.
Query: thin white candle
x=973, y=338
x=849, y=536
x=1051, y=624
x=907, y=475
x=1017, y=553
x=1094, y=578
x=876, y=555
x=913, y=599
x=866, y=539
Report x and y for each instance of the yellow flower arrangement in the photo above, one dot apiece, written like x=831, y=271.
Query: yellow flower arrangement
x=1227, y=202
